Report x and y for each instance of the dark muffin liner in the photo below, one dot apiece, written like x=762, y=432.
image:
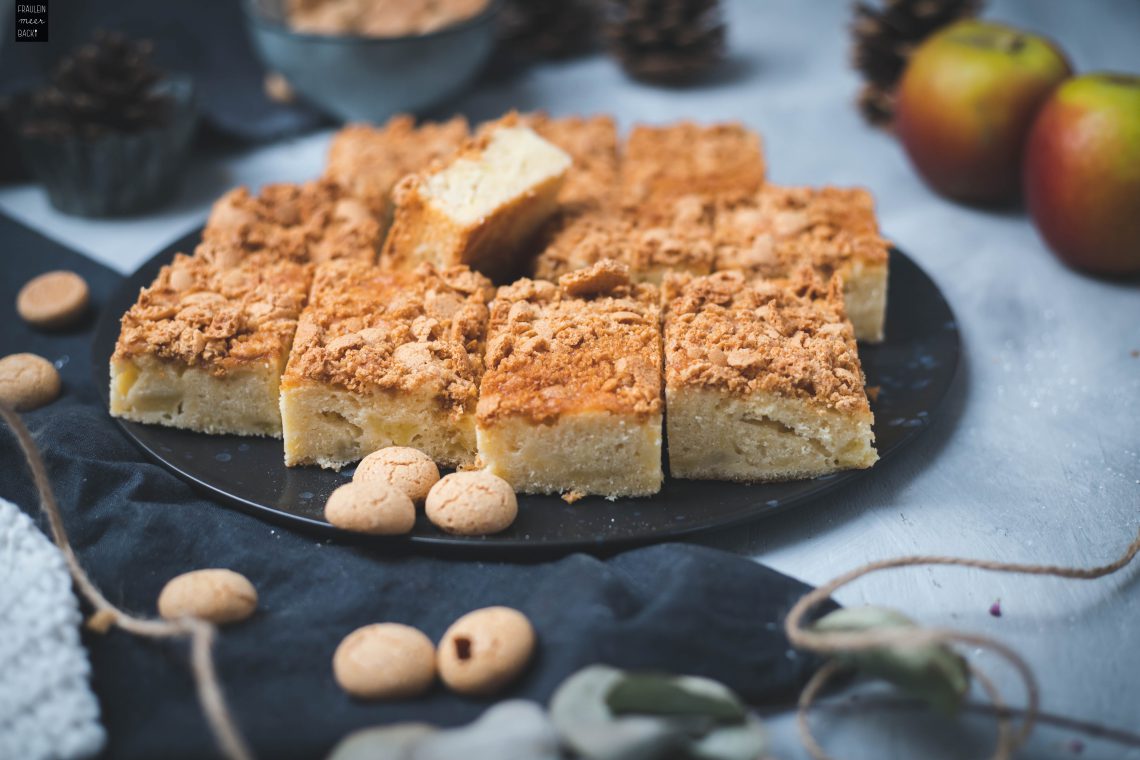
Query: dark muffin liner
x=118, y=173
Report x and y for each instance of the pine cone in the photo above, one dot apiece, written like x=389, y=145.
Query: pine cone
x=105, y=86
x=886, y=35
x=549, y=28
x=665, y=41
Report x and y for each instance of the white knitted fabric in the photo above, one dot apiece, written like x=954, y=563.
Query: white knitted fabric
x=47, y=708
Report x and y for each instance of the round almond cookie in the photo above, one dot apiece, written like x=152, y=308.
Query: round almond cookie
x=53, y=300
x=385, y=661
x=485, y=650
x=214, y=594
x=28, y=382
x=407, y=469
x=473, y=503
x=371, y=507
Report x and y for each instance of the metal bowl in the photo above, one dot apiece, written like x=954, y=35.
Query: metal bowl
x=356, y=78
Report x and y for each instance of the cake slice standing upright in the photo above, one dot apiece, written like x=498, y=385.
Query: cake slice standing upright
x=482, y=207
x=762, y=379
x=571, y=398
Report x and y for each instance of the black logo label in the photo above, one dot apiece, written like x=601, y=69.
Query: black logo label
x=32, y=22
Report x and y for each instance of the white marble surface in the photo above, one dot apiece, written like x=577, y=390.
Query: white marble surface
x=1038, y=456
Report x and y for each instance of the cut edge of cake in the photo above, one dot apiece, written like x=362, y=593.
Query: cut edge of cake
x=762, y=380
x=571, y=398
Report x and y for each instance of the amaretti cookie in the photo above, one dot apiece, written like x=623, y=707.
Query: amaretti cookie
x=762, y=379
x=833, y=230
x=368, y=161
x=480, y=208
x=311, y=222
x=666, y=162
x=571, y=395
x=203, y=348
x=385, y=358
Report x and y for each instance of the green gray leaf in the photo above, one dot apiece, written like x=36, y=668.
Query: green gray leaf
x=934, y=673
x=657, y=694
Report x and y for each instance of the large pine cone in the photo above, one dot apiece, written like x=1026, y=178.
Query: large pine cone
x=107, y=85
x=667, y=41
x=886, y=35
x=549, y=28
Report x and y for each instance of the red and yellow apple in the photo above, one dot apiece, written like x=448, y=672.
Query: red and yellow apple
x=965, y=105
x=1082, y=173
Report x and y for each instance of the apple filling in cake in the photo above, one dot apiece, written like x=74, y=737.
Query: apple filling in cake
x=830, y=229
x=481, y=207
x=571, y=397
x=385, y=358
x=204, y=347
x=762, y=379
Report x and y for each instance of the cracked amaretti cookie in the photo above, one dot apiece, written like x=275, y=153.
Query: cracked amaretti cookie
x=482, y=206
x=666, y=162
x=385, y=358
x=831, y=229
x=311, y=222
x=368, y=161
x=571, y=397
x=762, y=379
x=204, y=346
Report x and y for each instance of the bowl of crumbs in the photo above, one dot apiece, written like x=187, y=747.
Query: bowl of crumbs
x=365, y=60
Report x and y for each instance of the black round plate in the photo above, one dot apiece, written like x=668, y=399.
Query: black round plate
x=913, y=369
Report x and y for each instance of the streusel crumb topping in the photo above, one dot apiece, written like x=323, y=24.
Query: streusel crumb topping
x=790, y=337
x=369, y=161
x=313, y=222
x=367, y=329
x=781, y=228
x=661, y=163
x=213, y=317
x=551, y=353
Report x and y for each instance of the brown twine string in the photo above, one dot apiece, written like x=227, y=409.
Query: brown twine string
x=845, y=642
x=200, y=632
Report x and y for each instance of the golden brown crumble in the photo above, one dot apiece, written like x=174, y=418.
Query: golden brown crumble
x=216, y=317
x=592, y=144
x=605, y=276
x=791, y=338
x=379, y=18
x=367, y=329
x=369, y=161
x=311, y=222
x=782, y=228
x=673, y=235
x=550, y=353
x=662, y=163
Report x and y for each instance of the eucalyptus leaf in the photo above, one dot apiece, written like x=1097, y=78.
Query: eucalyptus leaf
x=934, y=673
x=658, y=694
x=690, y=719
x=586, y=724
x=513, y=730
x=395, y=742
x=745, y=741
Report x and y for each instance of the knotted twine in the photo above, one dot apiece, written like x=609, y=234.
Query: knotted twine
x=233, y=746
x=848, y=642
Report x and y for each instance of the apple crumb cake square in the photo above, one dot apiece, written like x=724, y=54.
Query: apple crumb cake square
x=311, y=222
x=204, y=346
x=369, y=160
x=833, y=230
x=481, y=207
x=663, y=163
x=385, y=358
x=762, y=379
x=571, y=396
x=674, y=235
